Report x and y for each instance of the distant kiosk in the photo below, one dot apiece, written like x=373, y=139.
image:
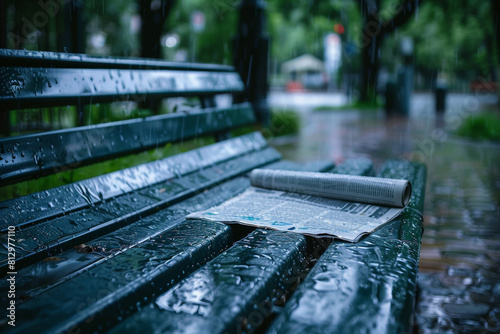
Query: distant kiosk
x=305, y=72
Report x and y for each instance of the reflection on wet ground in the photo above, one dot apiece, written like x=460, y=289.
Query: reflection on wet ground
x=459, y=279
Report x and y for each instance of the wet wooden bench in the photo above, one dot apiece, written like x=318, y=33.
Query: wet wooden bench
x=115, y=253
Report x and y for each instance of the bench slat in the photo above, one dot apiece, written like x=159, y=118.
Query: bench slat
x=73, y=60
x=230, y=294
x=30, y=209
x=241, y=284
x=44, y=273
x=367, y=286
x=31, y=156
x=314, y=166
x=22, y=87
x=36, y=278
x=54, y=236
x=120, y=284
x=359, y=166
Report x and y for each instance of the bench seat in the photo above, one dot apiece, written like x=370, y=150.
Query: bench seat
x=114, y=253
x=367, y=286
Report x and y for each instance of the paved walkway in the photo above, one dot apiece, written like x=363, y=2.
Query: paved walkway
x=459, y=276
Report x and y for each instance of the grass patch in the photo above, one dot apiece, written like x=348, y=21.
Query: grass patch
x=484, y=126
x=283, y=122
x=358, y=105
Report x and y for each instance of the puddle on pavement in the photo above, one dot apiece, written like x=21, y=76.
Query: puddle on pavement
x=459, y=279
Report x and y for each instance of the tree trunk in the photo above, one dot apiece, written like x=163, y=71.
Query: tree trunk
x=3, y=25
x=153, y=17
x=371, y=66
x=373, y=36
x=495, y=9
x=373, y=33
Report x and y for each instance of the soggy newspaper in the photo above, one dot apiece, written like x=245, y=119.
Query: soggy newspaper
x=316, y=204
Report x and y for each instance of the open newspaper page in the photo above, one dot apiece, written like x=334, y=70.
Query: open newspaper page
x=314, y=204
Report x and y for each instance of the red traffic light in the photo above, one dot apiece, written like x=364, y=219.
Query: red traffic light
x=338, y=28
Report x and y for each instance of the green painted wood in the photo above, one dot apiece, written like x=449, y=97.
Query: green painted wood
x=35, y=155
x=312, y=166
x=27, y=58
x=367, y=286
x=70, y=264
x=103, y=295
x=40, y=276
x=201, y=301
x=231, y=294
x=235, y=292
x=23, y=87
x=30, y=209
x=53, y=236
x=359, y=166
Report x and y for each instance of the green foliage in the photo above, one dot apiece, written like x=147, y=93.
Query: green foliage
x=484, y=126
x=449, y=36
x=112, y=112
x=284, y=122
x=299, y=27
x=113, y=21
x=214, y=43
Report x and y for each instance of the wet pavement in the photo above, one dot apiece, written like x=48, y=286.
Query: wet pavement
x=459, y=276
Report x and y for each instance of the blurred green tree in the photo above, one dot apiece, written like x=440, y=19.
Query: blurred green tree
x=454, y=38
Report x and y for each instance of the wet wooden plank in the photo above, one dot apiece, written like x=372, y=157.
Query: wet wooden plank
x=231, y=294
x=113, y=248
x=72, y=60
x=235, y=292
x=34, y=279
x=35, y=155
x=23, y=87
x=104, y=294
x=30, y=209
x=49, y=238
x=366, y=286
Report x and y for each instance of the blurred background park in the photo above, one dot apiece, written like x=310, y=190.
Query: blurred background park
x=347, y=79
x=366, y=53
x=452, y=41
x=361, y=48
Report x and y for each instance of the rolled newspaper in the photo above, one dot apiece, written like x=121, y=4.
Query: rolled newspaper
x=365, y=189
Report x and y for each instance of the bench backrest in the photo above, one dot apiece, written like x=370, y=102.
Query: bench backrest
x=45, y=79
